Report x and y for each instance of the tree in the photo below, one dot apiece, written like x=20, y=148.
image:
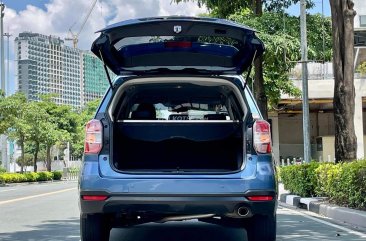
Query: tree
x=38, y=119
x=60, y=127
x=13, y=110
x=344, y=92
x=223, y=9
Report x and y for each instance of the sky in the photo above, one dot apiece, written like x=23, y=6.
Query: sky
x=56, y=17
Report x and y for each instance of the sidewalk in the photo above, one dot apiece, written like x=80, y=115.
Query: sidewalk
x=322, y=207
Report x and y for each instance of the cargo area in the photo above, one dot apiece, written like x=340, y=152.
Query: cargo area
x=186, y=126
x=178, y=147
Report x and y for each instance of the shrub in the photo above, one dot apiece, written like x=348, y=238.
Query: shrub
x=327, y=175
x=32, y=176
x=344, y=183
x=351, y=185
x=45, y=176
x=57, y=175
x=300, y=179
x=2, y=169
x=12, y=177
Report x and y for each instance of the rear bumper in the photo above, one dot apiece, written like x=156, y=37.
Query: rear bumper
x=165, y=205
x=168, y=195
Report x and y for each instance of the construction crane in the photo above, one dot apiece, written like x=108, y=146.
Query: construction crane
x=75, y=37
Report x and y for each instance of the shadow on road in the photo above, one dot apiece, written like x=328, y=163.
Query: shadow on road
x=178, y=231
x=49, y=230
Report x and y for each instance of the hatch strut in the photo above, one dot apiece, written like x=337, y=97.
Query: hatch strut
x=250, y=70
x=106, y=70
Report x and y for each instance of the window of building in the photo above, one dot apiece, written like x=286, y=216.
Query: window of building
x=363, y=21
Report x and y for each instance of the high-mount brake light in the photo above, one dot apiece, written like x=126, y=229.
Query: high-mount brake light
x=262, y=137
x=178, y=44
x=93, y=137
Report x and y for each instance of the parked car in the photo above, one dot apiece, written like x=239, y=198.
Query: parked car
x=178, y=134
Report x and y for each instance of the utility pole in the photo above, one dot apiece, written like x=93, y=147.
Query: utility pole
x=2, y=7
x=305, y=94
x=3, y=138
x=8, y=35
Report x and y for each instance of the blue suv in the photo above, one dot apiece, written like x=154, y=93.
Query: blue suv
x=178, y=135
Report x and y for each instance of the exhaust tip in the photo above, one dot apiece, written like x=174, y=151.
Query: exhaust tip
x=243, y=211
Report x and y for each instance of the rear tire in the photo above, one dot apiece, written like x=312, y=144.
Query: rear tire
x=261, y=228
x=94, y=227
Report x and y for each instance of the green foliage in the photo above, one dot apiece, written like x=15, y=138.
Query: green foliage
x=12, y=178
x=32, y=176
x=327, y=175
x=27, y=161
x=224, y=8
x=362, y=68
x=349, y=187
x=29, y=177
x=74, y=170
x=45, y=176
x=344, y=183
x=300, y=179
x=57, y=175
x=2, y=169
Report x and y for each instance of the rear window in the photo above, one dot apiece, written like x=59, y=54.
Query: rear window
x=214, y=40
x=179, y=102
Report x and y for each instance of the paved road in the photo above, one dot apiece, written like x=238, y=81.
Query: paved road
x=45, y=212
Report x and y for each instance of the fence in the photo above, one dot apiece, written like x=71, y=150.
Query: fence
x=70, y=173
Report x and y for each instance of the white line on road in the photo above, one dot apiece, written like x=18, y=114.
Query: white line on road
x=35, y=196
x=7, y=190
x=350, y=231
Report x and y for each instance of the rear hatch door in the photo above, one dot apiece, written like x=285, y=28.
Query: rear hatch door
x=177, y=44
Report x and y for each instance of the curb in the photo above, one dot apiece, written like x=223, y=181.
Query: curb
x=318, y=205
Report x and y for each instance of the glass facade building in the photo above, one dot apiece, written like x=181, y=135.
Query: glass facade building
x=45, y=65
x=95, y=82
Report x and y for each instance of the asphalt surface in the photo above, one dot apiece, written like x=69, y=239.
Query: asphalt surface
x=45, y=212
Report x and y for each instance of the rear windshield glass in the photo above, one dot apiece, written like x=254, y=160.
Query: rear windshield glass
x=158, y=39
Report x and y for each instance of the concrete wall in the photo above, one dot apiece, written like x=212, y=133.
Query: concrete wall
x=360, y=7
x=291, y=133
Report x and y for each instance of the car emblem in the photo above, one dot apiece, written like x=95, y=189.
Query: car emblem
x=177, y=29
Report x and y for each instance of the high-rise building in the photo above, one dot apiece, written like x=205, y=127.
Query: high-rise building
x=95, y=82
x=45, y=65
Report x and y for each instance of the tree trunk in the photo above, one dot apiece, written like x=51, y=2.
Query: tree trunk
x=344, y=90
x=22, y=154
x=35, y=157
x=259, y=91
x=48, y=158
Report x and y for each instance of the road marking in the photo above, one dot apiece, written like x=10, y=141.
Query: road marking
x=35, y=196
x=7, y=190
x=350, y=231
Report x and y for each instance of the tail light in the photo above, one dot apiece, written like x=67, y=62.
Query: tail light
x=262, y=137
x=93, y=137
x=260, y=198
x=94, y=197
